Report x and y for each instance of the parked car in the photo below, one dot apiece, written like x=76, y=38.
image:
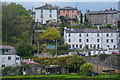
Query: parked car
x=93, y=74
x=114, y=53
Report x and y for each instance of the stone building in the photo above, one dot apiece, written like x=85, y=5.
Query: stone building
x=46, y=13
x=95, y=40
x=102, y=18
x=8, y=56
x=70, y=14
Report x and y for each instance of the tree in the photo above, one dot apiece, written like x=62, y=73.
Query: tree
x=86, y=69
x=108, y=26
x=51, y=34
x=81, y=19
x=23, y=50
x=74, y=63
x=16, y=20
x=55, y=62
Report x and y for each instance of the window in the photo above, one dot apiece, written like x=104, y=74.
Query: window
x=72, y=11
x=72, y=16
x=79, y=34
x=41, y=21
x=80, y=46
x=69, y=35
x=107, y=35
x=3, y=50
x=114, y=46
x=50, y=15
x=97, y=40
x=94, y=46
x=50, y=11
x=9, y=58
x=113, y=20
x=79, y=40
x=111, y=40
x=87, y=40
x=87, y=34
x=107, y=40
x=97, y=34
x=104, y=21
x=91, y=46
x=17, y=58
x=98, y=20
x=76, y=46
x=98, y=46
x=2, y=66
x=68, y=11
x=68, y=16
x=41, y=15
x=63, y=11
x=69, y=40
x=41, y=11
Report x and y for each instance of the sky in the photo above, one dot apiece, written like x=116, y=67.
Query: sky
x=61, y=0
x=83, y=6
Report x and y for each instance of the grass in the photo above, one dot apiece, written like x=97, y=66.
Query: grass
x=62, y=77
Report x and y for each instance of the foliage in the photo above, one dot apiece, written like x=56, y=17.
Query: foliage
x=15, y=23
x=108, y=26
x=47, y=62
x=55, y=62
x=23, y=49
x=81, y=20
x=51, y=34
x=86, y=69
x=63, y=49
x=74, y=63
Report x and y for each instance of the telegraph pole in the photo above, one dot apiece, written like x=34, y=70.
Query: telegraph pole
x=32, y=32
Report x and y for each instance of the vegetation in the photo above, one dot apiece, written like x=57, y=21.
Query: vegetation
x=108, y=26
x=103, y=57
x=15, y=23
x=51, y=34
x=64, y=77
x=86, y=69
x=74, y=63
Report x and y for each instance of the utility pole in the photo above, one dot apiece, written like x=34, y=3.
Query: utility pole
x=56, y=47
x=32, y=32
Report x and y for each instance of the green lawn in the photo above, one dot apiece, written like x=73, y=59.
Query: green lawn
x=61, y=76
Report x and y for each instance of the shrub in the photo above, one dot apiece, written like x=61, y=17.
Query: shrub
x=86, y=69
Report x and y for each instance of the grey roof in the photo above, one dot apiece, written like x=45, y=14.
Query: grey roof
x=93, y=30
x=6, y=47
x=68, y=7
x=47, y=7
x=103, y=12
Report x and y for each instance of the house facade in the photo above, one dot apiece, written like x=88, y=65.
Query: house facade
x=46, y=13
x=8, y=56
x=102, y=18
x=95, y=40
x=70, y=14
x=119, y=6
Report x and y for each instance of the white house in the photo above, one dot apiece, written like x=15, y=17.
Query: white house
x=8, y=56
x=46, y=13
x=96, y=40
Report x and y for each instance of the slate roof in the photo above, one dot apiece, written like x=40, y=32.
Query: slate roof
x=103, y=12
x=89, y=30
x=6, y=47
x=47, y=7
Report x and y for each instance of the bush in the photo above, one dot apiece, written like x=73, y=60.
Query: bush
x=86, y=69
x=108, y=26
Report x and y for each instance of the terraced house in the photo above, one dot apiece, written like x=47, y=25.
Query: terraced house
x=70, y=14
x=102, y=18
x=97, y=41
